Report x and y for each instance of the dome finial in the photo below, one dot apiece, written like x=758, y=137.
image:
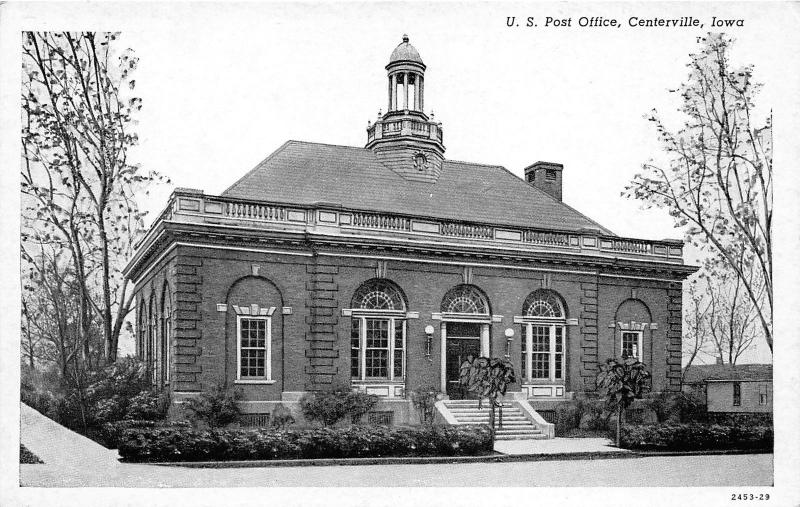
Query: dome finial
x=405, y=38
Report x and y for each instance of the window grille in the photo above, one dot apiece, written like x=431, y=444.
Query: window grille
x=465, y=299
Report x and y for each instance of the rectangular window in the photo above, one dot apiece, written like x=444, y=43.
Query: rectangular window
x=762, y=395
x=355, y=348
x=254, y=348
x=559, y=353
x=737, y=394
x=546, y=346
x=632, y=344
x=540, y=352
x=399, y=348
x=377, y=348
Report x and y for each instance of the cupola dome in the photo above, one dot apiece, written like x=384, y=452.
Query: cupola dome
x=405, y=52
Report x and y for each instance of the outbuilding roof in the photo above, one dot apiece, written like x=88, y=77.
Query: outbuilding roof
x=306, y=173
x=703, y=372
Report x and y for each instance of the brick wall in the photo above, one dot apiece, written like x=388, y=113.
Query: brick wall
x=311, y=345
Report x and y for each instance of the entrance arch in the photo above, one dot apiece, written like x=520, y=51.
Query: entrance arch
x=466, y=321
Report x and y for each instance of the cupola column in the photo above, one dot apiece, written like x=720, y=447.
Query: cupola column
x=420, y=95
x=405, y=90
x=391, y=93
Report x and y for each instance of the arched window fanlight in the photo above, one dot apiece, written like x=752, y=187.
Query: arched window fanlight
x=378, y=294
x=465, y=299
x=543, y=303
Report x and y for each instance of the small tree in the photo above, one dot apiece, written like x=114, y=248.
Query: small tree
x=488, y=378
x=330, y=407
x=623, y=381
x=424, y=400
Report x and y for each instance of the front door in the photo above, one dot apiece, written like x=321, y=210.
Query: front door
x=463, y=340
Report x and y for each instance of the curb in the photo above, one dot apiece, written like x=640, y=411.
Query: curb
x=490, y=458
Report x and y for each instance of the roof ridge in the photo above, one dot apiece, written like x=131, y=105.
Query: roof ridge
x=542, y=192
x=473, y=163
x=328, y=144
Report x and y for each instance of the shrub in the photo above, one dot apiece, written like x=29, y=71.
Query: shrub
x=179, y=444
x=214, y=408
x=281, y=417
x=424, y=400
x=686, y=437
x=330, y=407
x=592, y=414
x=691, y=408
x=568, y=417
x=148, y=406
x=110, y=432
x=26, y=457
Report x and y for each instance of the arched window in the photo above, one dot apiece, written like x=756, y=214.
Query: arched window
x=378, y=333
x=166, y=334
x=465, y=299
x=543, y=303
x=543, y=335
x=379, y=294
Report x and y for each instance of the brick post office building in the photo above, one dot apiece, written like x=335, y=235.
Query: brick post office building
x=382, y=267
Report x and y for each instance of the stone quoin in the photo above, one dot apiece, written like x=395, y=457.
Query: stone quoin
x=383, y=267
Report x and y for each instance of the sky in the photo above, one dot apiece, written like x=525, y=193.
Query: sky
x=224, y=85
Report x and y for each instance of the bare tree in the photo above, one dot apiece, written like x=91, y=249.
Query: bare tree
x=732, y=317
x=717, y=183
x=696, y=336
x=79, y=189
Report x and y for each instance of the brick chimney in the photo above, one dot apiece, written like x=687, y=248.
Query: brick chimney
x=545, y=176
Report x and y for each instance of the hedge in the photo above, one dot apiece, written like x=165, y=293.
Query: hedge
x=111, y=432
x=179, y=444
x=689, y=437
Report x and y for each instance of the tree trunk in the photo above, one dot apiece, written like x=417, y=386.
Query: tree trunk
x=619, y=422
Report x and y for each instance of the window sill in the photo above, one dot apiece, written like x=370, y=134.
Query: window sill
x=253, y=381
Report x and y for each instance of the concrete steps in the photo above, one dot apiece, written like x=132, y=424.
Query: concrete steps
x=516, y=426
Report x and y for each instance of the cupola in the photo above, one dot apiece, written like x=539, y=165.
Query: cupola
x=405, y=139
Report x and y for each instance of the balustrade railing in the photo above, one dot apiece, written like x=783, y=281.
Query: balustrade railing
x=378, y=221
x=467, y=230
x=638, y=247
x=195, y=204
x=254, y=211
x=545, y=238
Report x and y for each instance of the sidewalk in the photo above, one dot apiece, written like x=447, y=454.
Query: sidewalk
x=559, y=446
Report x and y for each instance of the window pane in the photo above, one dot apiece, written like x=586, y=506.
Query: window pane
x=541, y=365
x=540, y=339
x=630, y=345
x=524, y=358
x=559, y=366
x=377, y=333
x=355, y=344
x=398, y=363
x=377, y=363
x=398, y=334
x=559, y=339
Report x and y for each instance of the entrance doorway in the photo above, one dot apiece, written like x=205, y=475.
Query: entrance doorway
x=463, y=340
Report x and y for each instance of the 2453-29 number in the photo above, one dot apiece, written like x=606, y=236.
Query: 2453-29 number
x=749, y=496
